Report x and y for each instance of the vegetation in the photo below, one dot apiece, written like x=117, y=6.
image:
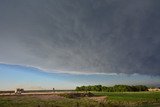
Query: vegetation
x=116, y=88
x=30, y=101
x=76, y=95
x=112, y=99
x=150, y=99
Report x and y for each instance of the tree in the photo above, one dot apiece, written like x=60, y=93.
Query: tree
x=116, y=88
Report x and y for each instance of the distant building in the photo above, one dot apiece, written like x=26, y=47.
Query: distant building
x=154, y=89
x=53, y=90
x=19, y=91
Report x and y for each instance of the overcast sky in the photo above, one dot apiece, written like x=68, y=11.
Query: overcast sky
x=82, y=36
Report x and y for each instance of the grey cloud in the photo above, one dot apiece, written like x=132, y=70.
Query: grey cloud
x=87, y=36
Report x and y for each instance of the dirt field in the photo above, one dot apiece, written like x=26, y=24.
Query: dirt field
x=32, y=93
x=59, y=99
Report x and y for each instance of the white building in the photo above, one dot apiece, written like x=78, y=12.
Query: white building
x=154, y=89
x=19, y=91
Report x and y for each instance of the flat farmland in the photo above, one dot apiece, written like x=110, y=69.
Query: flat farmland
x=132, y=98
x=68, y=99
x=46, y=100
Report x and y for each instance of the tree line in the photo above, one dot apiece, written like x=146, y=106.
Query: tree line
x=116, y=88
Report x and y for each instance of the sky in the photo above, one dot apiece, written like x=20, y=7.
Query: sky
x=47, y=43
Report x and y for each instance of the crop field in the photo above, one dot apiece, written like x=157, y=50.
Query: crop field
x=100, y=99
x=132, y=98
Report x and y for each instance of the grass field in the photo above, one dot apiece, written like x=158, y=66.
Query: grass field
x=113, y=99
x=132, y=98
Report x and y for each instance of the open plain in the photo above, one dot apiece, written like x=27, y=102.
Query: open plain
x=81, y=99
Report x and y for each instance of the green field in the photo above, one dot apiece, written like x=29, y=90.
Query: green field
x=113, y=99
x=132, y=98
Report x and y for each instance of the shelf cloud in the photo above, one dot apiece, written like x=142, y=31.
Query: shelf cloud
x=82, y=36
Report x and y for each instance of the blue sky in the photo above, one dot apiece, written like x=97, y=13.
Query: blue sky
x=15, y=76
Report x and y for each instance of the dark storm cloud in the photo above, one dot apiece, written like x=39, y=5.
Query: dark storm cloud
x=85, y=36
